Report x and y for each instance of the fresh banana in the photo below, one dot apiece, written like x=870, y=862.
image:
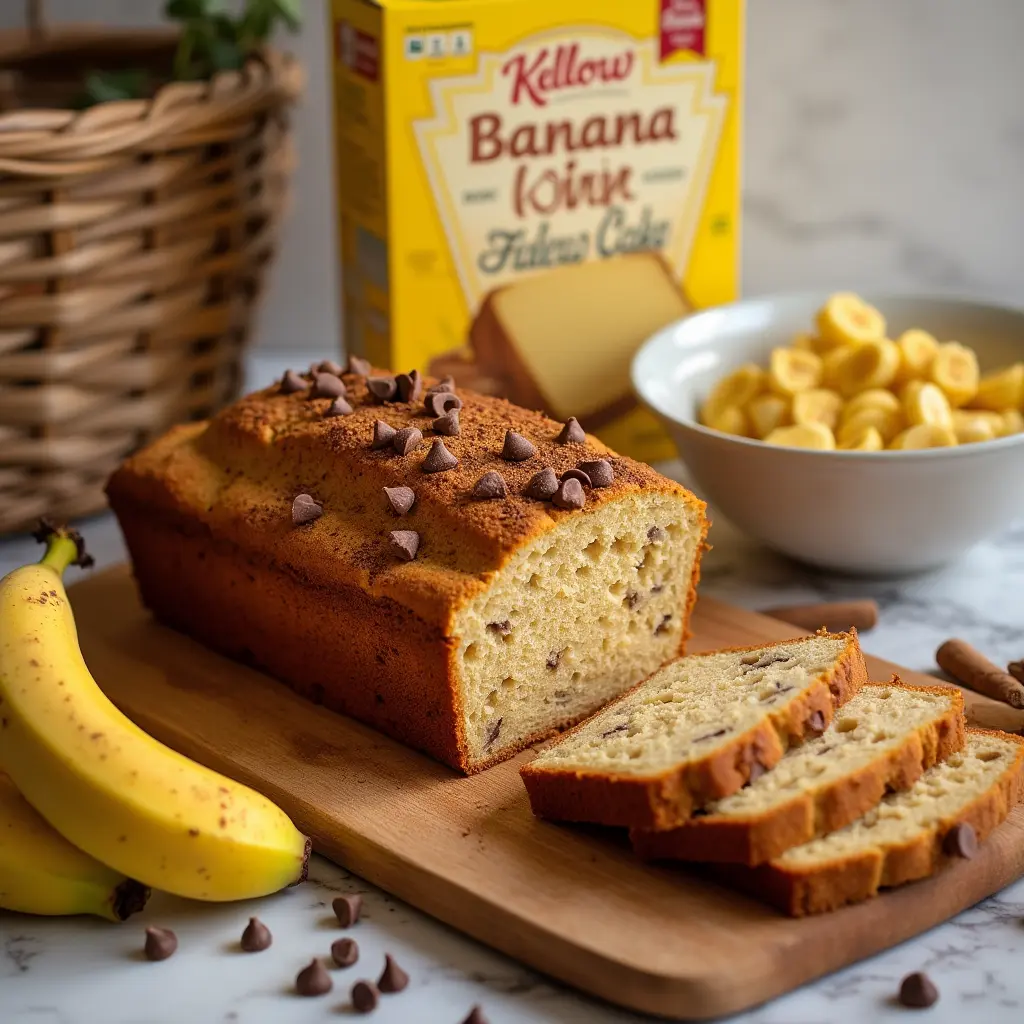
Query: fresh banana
x=42, y=873
x=104, y=784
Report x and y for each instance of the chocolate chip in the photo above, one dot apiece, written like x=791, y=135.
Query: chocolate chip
x=437, y=403
x=517, y=448
x=572, y=433
x=655, y=533
x=383, y=389
x=622, y=727
x=410, y=386
x=577, y=474
x=347, y=909
x=327, y=366
x=448, y=424
x=918, y=991
x=326, y=385
x=392, y=978
x=406, y=440
x=960, y=841
x=339, y=407
x=305, y=509
x=490, y=485
x=554, y=658
x=344, y=952
x=160, y=943
x=657, y=588
x=439, y=459
x=405, y=544
x=600, y=472
x=383, y=435
x=292, y=382
x=816, y=722
x=711, y=735
x=444, y=384
x=492, y=733
x=313, y=980
x=401, y=499
x=476, y=1016
x=662, y=626
x=542, y=485
x=256, y=936
x=360, y=367
x=569, y=495
x=504, y=628
x=632, y=598
x=365, y=997
x=756, y=771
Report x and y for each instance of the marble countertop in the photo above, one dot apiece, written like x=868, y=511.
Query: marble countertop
x=78, y=971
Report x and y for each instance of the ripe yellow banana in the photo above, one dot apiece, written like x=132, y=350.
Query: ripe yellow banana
x=104, y=784
x=42, y=873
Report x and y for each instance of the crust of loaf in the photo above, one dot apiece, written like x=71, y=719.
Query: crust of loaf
x=327, y=609
x=759, y=838
x=666, y=800
x=856, y=878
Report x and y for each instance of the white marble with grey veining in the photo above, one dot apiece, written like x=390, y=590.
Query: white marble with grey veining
x=89, y=972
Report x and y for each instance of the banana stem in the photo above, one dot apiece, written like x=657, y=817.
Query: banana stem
x=61, y=551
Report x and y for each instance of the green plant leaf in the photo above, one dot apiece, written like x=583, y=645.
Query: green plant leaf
x=290, y=12
x=225, y=55
x=104, y=86
x=182, y=10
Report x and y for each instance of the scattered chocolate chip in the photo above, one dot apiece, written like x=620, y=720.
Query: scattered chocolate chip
x=492, y=734
x=622, y=727
x=756, y=771
x=655, y=533
x=410, y=386
x=327, y=366
x=160, y=943
x=360, y=367
x=383, y=435
x=711, y=735
x=383, y=389
x=490, y=485
x=326, y=385
x=918, y=991
x=347, y=909
x=392, y=978
x=476, y=1016
x=256, y=936
x=569, y=495
x=542, y=485
x=657, y=588
x=292, y=382
x=445, y=384
x=517, y=448
x=344, y=952
x=339, y=407
x=437, y=403
x=572, y=433
x=632, y=598
x=406, y=440
x=554, y=658
x=313, y=980
x=439, y=459
x=448, y=424
x=600, y=472
x=662, y=626
x=816, y=722
x=960, y=841
x=401, y=499
x=305, y=509
x=504, y=628
x=405, y=544
x=365, y=997
x=577, y=474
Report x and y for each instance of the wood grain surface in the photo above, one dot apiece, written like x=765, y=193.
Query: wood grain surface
x=570, y=901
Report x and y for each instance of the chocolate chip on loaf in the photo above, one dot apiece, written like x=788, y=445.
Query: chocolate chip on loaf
x=383, y=389
x=448, y=424
x=600, y=472
x=339, y=407
x=347, y=909
x=504, y=627
x=492, y=733
x=392, y=978
x=405, y=544
x=291, y=382
x=365, y=997
x=256, y=936
x=542, y=485
x=570, y=495
x=313, y=980
x=445, y=384
x=437, y=403
x=490, y=485
x=410, y=386
x=383, y=435
x=662, y=626
x=406, y=440
x=577, y=474
x=918, y=992
x=326, y=385
x=327, y=366
x=401, y=499
x=360, y=367
x=344, y=952
x=305, y=509
x=572, y=433
x=960, y=841
x=439, y=459
x=517, y=448
x=816, y=722
x=160, y=943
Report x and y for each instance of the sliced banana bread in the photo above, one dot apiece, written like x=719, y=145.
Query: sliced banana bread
x=909, y=835
x=882, y=740
x=695, y=731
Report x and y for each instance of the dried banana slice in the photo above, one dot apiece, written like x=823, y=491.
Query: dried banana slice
x=871, y=365
x=1002, y=390
x=955, y=370
x=729, y=420
x=817, y=405
x=1013, y=423
x=926, y=403
x=917, y=350
x=863, y=439
x=846, y=319
x=972, y=427
x=888, y=423
x=873, y=398
x=806, y=435
x=735, y=389
x=924, y=435
x=766, y=412
x=792, y=370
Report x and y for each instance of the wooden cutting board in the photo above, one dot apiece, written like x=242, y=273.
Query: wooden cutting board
x=570, y=901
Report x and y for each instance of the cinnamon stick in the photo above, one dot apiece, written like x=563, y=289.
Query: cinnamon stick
x=835, y=616
x=972, y=669
x=1016, y=669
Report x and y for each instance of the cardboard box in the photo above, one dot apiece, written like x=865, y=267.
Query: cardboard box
x=529, y=188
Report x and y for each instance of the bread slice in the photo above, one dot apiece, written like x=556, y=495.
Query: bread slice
x=909, y=835
x=695, y=731
x=882, y=740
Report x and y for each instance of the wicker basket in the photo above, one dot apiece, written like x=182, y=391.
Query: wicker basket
x=134, y=237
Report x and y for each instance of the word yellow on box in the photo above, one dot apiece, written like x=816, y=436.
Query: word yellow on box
x=529, y=188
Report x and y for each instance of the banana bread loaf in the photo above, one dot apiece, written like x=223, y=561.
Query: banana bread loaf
x=463, y=574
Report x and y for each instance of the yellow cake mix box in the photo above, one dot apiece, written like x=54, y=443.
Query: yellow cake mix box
x=530, y=188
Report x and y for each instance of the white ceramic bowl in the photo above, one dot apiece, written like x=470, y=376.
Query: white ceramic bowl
x=859, y=512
